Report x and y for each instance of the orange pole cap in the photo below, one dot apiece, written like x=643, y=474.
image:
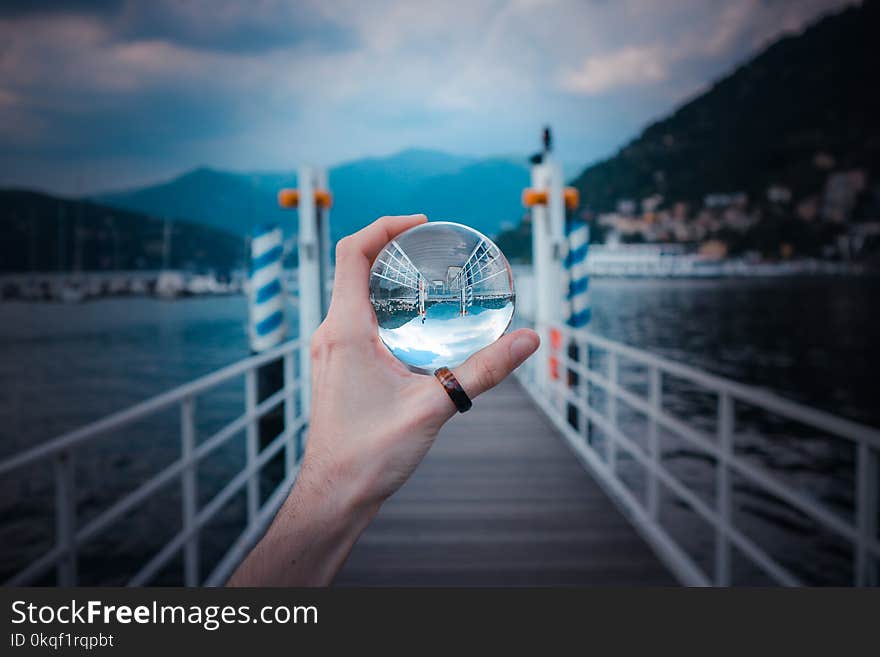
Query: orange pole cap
x=288, y=198
x=323, y=198
x=532, y=197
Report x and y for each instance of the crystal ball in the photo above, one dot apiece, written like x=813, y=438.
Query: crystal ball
x=441, y=292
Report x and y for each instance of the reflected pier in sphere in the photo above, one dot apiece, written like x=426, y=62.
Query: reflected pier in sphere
x=441, y=292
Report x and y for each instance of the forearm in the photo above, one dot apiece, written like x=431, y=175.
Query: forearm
x=310, y=538
x=371, y=423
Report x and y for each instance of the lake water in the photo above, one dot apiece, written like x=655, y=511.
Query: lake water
x=64, y=366
x=813, y=340
x=810, y=340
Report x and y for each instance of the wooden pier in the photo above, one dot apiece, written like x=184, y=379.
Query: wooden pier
x=501, y=500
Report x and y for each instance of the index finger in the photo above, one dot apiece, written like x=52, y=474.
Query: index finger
x=355, y=255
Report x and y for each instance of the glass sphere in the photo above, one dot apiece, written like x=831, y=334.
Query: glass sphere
x=441, y=292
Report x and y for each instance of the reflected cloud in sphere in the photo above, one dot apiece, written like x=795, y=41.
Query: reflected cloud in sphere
x=441, y=292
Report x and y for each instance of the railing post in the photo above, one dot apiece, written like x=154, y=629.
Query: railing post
x=611, y=410
x=584, y=428
x=655, y=394
x=866, y=514
x=722, y=490
x=65, y=518
x=251, y=437
x=188, y=491
x=290, y=450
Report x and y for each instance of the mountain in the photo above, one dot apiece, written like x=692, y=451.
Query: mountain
x=806, y=104
x=232, y=202
x=47, y=233
x=483, y=193
x=369, y=188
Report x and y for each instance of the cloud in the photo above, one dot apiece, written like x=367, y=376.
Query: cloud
x=626, y=67
x=687, y=35
x=121, y=91
x=244, y=27
x=7, y=98
x=18, y=8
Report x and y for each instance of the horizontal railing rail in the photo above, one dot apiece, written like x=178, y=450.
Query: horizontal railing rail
x=561, y=393
x=143, y=409
x=556, y=399
x=60, y=451
x=750, y=394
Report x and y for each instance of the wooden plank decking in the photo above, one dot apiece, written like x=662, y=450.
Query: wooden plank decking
x=501, y=500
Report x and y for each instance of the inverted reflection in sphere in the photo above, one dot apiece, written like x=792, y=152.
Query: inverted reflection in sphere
x=441, y=292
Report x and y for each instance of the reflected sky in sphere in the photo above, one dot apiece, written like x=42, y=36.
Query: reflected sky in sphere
x=441, y=292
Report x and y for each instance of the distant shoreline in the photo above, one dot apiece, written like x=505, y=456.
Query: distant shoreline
x=697, y=268
x=732, y=268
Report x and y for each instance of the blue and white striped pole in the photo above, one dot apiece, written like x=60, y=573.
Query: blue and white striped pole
x=577, y=309
x=268, y=325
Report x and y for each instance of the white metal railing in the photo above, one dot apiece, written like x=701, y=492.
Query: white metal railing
x=560, y=394
x=60, y=453
x=554, y=401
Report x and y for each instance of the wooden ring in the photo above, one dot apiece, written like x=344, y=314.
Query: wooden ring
x=453, y=388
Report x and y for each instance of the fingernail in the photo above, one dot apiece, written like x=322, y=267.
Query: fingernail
x=521, y=348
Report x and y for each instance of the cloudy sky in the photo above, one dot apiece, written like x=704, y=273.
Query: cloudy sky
x=106, y=94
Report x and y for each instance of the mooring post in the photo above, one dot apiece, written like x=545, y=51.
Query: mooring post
x=546, y=253
x=322, y=217
x=547, y=199
x=313, y=200
x=268, y=328
x=576, y=303
x=268, y=323
x=314, y=254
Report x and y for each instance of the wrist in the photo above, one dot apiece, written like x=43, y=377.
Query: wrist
x=333, y=499
x=311, y=536
x=320, y=521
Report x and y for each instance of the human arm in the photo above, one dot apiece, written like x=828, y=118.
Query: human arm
x=371, y=423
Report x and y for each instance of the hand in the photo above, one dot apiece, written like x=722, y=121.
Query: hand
x=372, y=420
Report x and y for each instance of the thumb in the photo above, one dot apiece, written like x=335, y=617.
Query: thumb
x=491, y=365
